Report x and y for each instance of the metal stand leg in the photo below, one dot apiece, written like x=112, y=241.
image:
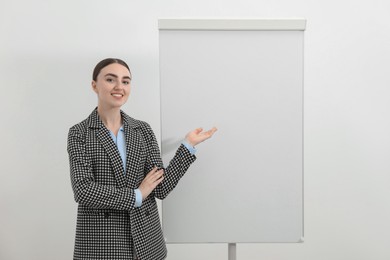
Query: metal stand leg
x=232, y=255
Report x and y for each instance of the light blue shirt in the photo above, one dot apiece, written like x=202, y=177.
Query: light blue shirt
x=120, y=142
x=189, y=147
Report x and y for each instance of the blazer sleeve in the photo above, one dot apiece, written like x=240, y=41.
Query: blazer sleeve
x=175, y=170
x=86, y=191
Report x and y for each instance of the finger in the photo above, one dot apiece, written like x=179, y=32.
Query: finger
x=157, y=182
x=206, y=135
x=211, y=131
x=151, y=176
x=214, y=129
x=157, y=175
x=198, y=130
x=153, y=171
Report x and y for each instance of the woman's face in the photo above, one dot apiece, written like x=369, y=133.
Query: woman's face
x=112, y=86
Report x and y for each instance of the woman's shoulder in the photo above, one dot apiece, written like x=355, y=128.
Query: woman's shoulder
x=92, y=121
x=135, y=123
x=79, y=128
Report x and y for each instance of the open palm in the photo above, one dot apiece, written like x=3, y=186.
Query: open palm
x=198, y=135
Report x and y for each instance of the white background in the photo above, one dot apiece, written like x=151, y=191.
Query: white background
x=49, y=48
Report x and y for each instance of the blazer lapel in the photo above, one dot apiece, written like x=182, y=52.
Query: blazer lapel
x=103, y=135
x=134, y=150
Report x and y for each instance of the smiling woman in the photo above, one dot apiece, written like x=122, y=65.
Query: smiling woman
x=117, y=174
x=112, y=85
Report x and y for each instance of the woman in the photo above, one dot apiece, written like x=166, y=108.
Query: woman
x=117, y=174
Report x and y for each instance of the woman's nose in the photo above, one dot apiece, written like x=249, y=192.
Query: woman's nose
x=119, y=85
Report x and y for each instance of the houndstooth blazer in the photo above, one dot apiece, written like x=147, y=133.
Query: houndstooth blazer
x=109, y=226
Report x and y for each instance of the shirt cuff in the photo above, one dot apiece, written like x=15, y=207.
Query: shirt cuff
x=138, y=198
x=190, y=148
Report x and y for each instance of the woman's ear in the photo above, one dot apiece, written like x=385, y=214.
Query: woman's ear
x=93, y=84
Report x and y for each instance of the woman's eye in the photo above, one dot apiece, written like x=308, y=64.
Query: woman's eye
x=109, y=80
x=126, y=82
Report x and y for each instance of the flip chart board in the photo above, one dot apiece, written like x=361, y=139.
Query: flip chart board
x=246, y=78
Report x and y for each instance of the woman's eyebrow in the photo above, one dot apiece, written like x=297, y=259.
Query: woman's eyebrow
x=115, y=76
x=112, y=75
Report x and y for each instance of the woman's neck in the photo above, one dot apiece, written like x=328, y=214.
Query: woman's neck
x=111, y=118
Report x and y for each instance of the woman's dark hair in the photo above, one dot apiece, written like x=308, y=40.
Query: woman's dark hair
x=105, y=63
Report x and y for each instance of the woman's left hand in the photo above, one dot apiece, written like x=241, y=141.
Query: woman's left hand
x=197, y=136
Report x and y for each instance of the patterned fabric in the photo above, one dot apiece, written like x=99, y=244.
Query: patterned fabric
x=109, y=226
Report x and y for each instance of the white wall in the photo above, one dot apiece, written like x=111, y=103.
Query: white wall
x=49, y=48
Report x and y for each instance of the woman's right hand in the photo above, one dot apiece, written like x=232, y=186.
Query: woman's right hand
x=152, y=179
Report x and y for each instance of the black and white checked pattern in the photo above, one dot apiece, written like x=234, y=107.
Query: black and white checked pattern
x=108, y=225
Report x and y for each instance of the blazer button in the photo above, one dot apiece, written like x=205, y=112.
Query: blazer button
x=147, y=213
x=106, y=214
